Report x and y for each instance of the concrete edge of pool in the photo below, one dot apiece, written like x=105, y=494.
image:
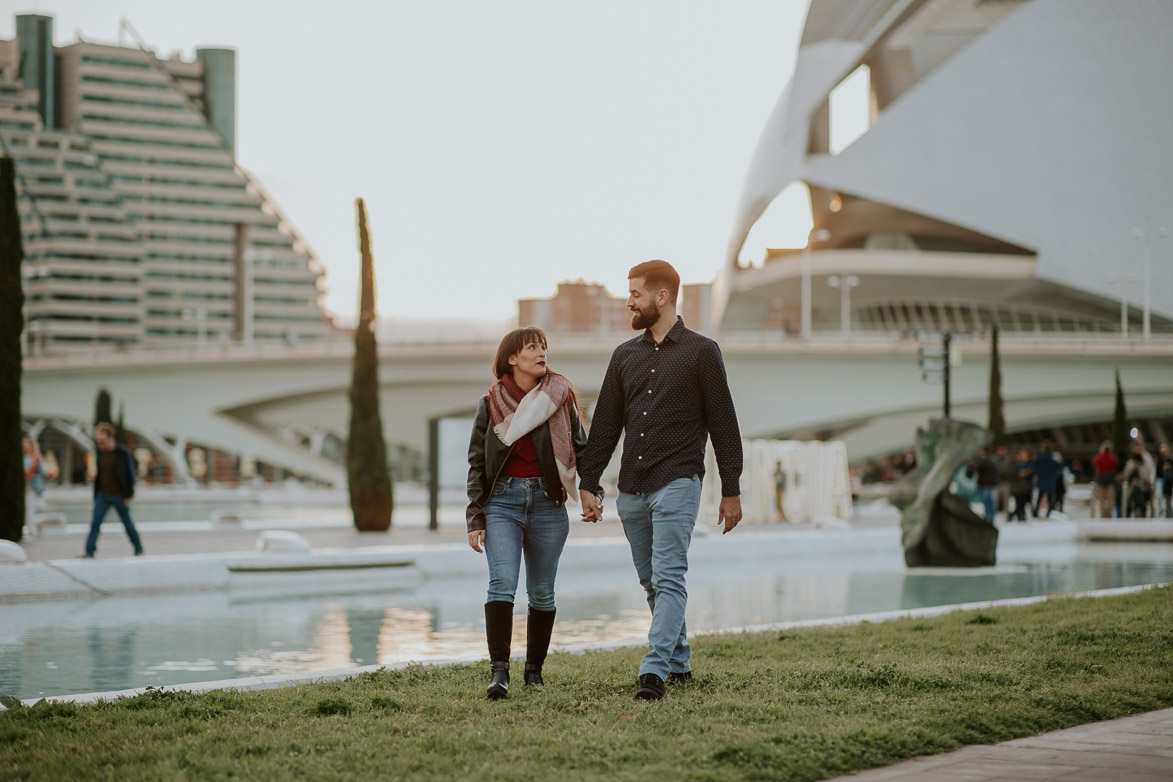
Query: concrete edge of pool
x=274, y=681
x=399, y=566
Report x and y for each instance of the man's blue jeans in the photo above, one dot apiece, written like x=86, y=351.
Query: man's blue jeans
x=658, y=526
x=103, y=503
x=521, y=518
x=986, y=494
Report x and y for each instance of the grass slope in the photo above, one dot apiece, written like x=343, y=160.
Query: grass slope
x=799, y=705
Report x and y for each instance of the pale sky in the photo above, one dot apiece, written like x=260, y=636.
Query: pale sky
x=501, y=147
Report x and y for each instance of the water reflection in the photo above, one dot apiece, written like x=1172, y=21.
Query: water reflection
x=54, y=648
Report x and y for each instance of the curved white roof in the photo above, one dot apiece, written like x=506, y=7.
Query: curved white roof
x=1044, y=124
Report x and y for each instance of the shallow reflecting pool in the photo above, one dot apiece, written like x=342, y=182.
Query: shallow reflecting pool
x=56, y=648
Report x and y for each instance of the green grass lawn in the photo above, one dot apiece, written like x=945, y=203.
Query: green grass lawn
x=800, y=705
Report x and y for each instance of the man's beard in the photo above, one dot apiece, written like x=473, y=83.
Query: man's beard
x=645, y=319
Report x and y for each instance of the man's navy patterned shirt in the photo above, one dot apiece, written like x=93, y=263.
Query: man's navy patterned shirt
x=669, y=398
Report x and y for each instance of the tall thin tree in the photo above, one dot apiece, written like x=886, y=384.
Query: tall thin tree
x=366, y=452
x=997, y=417
x=102, y=407
x=1120, y=436
x=120, y=427
x=12, y=488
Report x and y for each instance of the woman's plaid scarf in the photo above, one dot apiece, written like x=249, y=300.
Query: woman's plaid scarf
x=550, y=400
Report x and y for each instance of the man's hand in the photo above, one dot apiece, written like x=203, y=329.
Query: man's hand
x=592, y=509
x=476, y=539
x=729, y=513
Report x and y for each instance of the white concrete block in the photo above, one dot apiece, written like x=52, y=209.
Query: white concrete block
x=12, y=552
x=284, y=541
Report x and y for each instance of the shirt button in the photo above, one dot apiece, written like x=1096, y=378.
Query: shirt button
x=645, y=412
x=640, y=458
x=649, y=390
x=641, y=434
x=657, y=348
x=653, y=371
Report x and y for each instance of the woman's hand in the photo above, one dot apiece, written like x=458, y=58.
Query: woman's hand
x=476, y=539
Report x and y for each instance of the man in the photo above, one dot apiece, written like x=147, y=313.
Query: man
x=1139, y=473
x=1105, y=463
x=1046, y=468
x=667, y=389
x=113, y=488
x=1164, y=481
x=987, y=482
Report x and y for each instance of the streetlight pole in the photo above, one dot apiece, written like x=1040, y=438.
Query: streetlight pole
x=820, y=235
x=1124, y=281
x=1145, y=234
x=844, y=284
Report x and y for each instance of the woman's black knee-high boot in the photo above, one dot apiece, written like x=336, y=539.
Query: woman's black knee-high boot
x=538, y=630
x=499, y=632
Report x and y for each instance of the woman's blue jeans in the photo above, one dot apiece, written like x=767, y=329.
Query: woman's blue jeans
x=520, y=518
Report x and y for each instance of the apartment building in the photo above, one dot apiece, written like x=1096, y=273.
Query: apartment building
x=140, y=226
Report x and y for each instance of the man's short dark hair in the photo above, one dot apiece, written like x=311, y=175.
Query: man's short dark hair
x=658, y=276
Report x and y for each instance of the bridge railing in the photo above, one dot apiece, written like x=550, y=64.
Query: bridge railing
x=1159, y=343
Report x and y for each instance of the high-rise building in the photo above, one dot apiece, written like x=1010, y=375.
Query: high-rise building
x=139, y=224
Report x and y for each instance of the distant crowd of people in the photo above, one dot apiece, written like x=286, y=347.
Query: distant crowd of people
x=1035, y=482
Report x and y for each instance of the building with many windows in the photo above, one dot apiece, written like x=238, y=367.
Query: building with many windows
x=140, y=227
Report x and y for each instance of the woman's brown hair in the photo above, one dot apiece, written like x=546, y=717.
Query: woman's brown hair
x=513, y=343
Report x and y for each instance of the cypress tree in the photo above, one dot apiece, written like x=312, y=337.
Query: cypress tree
x=120, y=434
x=1120, y=423
x=102, y=405
x=997, y=422
x=366, y=453
x=12, y=487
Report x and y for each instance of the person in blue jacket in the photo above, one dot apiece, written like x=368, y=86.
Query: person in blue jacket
x=113, y=488
x=1046, y=469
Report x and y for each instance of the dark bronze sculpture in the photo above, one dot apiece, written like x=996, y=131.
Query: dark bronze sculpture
x=938, y=527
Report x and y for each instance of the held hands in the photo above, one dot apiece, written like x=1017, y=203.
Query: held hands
x=729, y=513
x=592, y=509
x=476, y=539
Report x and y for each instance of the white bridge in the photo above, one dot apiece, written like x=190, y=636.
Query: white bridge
x=281, y=405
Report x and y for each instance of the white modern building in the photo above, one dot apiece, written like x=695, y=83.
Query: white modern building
x=139, y=224
x=1015, y=167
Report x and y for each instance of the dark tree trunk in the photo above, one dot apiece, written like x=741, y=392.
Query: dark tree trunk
x=366, y=453
x=997, y=422
x=12, y=488
x=1120, y=436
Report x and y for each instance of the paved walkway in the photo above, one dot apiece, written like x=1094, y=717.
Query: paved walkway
x=1131, y=749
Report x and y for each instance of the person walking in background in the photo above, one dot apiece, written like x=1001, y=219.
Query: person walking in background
x=1021, y=483
x=526, y=443
x=668, y=391
x=1060, y=482
x=1165, y=480
x=1046, y=469
x=34, y=480
x=113, y=488
x=1105, y=463
x=1139, y=472
x=1005, y=464
x=987, y=482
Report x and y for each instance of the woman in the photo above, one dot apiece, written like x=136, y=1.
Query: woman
x=525, y=445
x=1021, y=484
x=34, y=479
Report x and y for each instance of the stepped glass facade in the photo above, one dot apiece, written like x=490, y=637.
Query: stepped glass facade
x=140, y=227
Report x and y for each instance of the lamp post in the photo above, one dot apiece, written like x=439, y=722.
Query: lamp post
x=819, y=235
x=1123, y=281
x=844, y=284
x=1145, y=235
